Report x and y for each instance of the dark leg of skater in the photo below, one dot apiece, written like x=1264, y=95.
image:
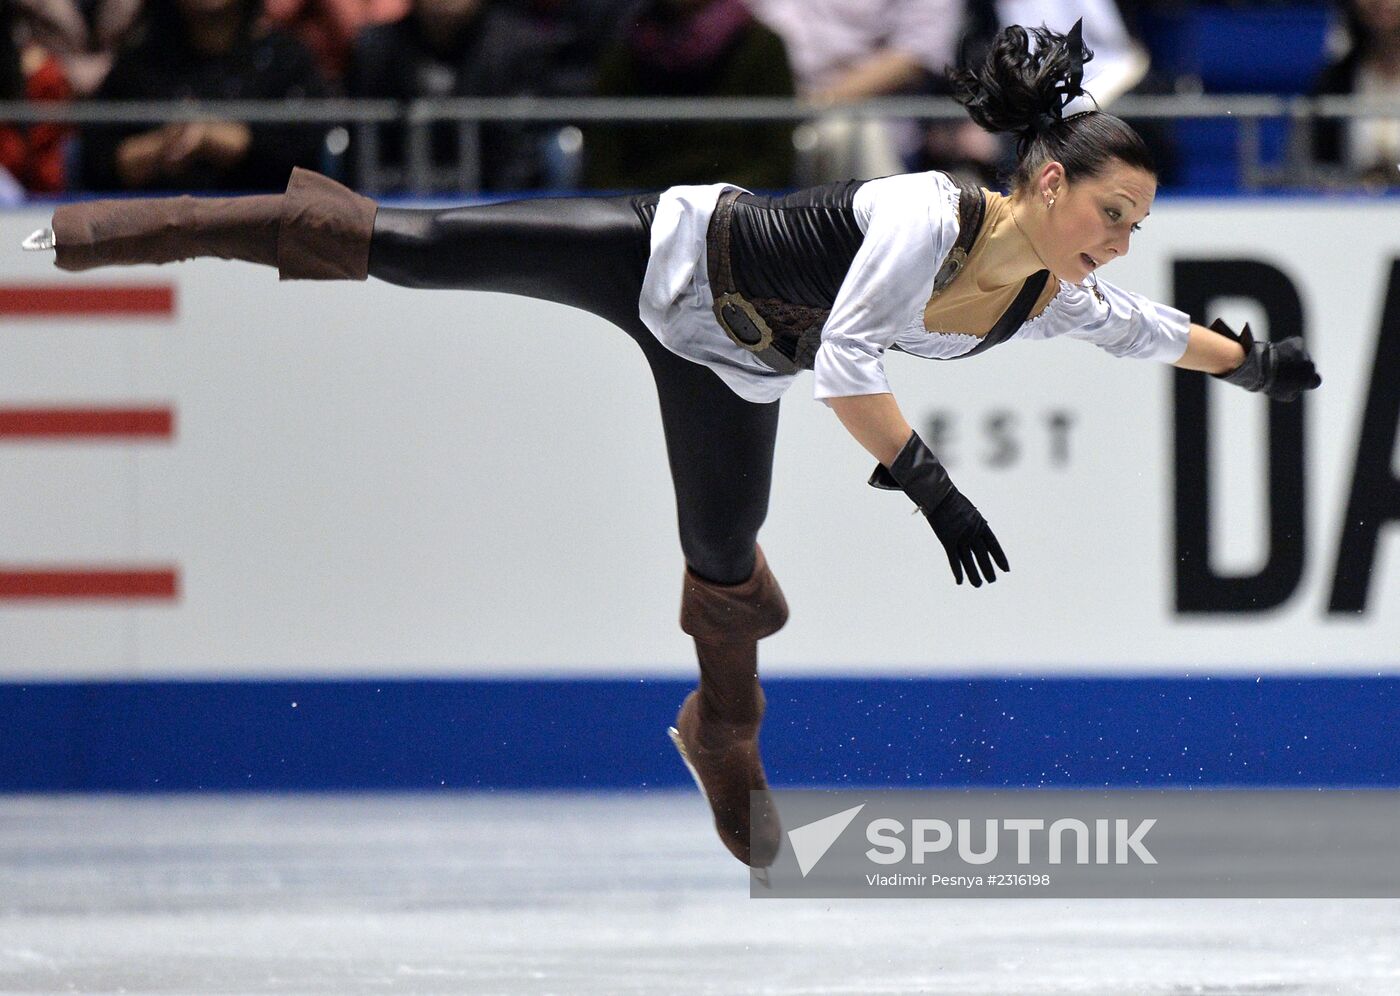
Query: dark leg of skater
x=586, y=252
x=721, y=454
x=592, y=254
x=720, y=449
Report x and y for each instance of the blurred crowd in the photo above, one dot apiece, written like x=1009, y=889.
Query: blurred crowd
x=831, y=52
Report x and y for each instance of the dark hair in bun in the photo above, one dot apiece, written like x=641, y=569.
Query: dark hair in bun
x=1025, y=93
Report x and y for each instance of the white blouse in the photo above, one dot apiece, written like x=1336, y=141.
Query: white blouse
x=910, y=222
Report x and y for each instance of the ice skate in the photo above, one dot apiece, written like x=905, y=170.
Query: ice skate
x=723, y=759
x=759, y=873
x=39, y=241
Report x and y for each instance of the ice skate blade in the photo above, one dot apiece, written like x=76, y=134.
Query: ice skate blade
x=675, y=736
x=38, y=242
x=760, y=874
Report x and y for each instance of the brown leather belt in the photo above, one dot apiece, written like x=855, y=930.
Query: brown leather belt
x=735, y=314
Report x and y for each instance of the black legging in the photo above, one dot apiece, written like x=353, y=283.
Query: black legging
x=591, y=253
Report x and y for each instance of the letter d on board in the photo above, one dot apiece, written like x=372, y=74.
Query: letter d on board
x=1375, y=492
x=1199, y=589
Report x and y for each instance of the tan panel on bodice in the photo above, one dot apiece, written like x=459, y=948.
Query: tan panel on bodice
x=965, y=305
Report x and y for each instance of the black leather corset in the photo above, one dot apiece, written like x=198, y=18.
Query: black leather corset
x=795, y=248
x=776, y=265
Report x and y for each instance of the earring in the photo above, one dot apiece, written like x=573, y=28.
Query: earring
x=1050, y=203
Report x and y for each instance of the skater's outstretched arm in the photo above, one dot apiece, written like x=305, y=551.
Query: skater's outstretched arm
x=1210, y=352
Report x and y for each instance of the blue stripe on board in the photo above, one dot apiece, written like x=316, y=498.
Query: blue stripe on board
x=610, y=733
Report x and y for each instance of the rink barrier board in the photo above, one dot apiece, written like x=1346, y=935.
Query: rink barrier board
x=610, y=733
x=346, y=481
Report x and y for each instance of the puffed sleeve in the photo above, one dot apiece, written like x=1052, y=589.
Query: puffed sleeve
x=907, y=234
x=1119, y=322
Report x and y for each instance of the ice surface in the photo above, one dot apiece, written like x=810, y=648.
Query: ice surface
x=576, y=894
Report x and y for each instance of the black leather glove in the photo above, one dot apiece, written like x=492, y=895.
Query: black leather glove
x=965, y=535
x=1282, y=370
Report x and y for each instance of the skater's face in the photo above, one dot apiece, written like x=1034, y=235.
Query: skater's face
x=1087, y=224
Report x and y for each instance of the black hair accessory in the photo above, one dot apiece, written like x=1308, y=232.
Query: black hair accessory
x=1069, y=87
x=1073, y=85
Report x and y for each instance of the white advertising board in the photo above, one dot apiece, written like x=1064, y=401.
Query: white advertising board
x=362, y=479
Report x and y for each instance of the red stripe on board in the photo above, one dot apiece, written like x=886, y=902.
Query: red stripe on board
x=30, y=423
x=89, y=583
x=87, y=300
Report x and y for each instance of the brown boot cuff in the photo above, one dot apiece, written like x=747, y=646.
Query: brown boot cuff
x=326, y=230
x=733, y=613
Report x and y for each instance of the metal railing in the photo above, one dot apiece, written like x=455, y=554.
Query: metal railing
x=417, y=117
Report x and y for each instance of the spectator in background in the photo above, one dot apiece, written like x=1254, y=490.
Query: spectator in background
x=582, y=30
x=31, y=155
x=458, y=48
x=1367, y=149
x=693, y=48
x=84, y=35
x=209, y=50
x=328, y=27
x=851, y=50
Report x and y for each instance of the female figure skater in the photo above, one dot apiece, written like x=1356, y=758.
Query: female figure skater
x=729, y=295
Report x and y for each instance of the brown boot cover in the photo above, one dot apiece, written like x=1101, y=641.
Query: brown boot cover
x=718, y=722
x=317, y=230
x=325, y=232
x=166, y=230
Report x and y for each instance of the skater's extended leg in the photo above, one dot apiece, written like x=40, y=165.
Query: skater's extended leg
x=721, y=453
x=588, y=252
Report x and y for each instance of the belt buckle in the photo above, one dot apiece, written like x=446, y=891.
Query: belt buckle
x=765, y=334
